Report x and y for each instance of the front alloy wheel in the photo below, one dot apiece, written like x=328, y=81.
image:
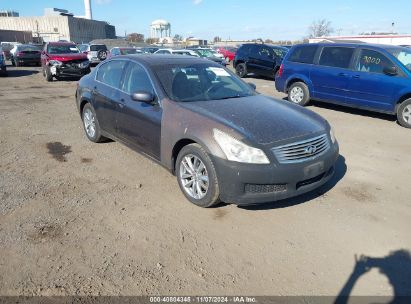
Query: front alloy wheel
x=197, y=176
x=296, y=95
x=194, y=176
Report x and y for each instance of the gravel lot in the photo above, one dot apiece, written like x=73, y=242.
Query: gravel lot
x=78, y=218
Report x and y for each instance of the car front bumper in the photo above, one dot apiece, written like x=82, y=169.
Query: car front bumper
x=249, y=184
x=67, y=71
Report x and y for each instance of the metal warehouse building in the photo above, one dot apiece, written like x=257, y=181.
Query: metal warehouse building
x=60, y=27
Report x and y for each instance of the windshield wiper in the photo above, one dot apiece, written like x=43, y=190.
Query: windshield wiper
x=230, y=97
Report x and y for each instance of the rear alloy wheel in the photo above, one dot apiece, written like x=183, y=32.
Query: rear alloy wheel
x=241, y=70
x=298, y=93
x=91, y=125
x=404, y=113
x=197, y=177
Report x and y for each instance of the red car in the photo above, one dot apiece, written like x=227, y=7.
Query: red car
x=63, y=59
x=228, y=53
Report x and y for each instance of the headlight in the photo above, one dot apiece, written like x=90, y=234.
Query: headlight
x=55, y=62
x=84, y=64
x=332, y=135
x=237, y=151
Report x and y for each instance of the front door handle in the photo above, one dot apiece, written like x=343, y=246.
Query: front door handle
x=356, y=76
x=343, y=74
x=122, y=102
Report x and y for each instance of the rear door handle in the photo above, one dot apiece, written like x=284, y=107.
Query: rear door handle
x=356, y=76
x=343, y=74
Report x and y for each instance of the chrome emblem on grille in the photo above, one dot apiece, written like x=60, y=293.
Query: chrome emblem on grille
x=310, y=150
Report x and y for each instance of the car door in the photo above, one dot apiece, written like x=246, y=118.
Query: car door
x=369, y=86
x=265, y=61
x=331, y=75
x=106, y=94
x=139, y=123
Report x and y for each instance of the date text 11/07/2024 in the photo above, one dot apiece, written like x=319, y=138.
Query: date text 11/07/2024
x=203, y=299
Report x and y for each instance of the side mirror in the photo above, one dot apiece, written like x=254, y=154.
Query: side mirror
x=391, y=71
x=252, y=85
x=143, y=96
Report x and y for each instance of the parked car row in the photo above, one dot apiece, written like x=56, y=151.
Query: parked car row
x=3, y=68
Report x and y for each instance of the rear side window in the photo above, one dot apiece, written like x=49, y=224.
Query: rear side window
x=94, y=48
x=373, y=62
x=304, y=54
x=339, y=57
x=243, y=50
x=111, y=72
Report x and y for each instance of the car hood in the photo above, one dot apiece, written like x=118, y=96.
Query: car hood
x=261, y=119
x=68, y=57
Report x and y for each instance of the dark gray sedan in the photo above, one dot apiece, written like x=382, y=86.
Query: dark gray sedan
x=222, y=140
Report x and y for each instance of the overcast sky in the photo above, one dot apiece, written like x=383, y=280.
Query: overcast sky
x=236, y=19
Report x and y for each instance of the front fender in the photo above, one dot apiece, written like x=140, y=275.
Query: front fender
x=179, y=123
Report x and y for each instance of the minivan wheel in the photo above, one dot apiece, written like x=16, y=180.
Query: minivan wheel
x=404, y=113
x=241, y=70
x=197, y=177
x=298, y=93
x=91, y=125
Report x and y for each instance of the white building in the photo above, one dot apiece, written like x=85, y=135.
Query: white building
x=376, y=39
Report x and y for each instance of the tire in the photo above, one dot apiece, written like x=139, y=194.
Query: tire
x=299, y=94
x=47, y=74
x=241, y=70
x=404, y=113
x=210, y=196
x=90, y=122
x=102, y=55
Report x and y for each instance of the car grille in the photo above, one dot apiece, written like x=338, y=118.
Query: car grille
x=303, y=150
x=73, y=63
x=253, y=188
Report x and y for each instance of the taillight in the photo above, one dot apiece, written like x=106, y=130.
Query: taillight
x=281, y=70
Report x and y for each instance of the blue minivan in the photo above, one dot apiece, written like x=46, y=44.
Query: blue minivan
x=366, y=76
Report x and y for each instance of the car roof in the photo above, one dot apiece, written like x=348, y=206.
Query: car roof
x=267, y=44
x=61, y=43
x=156, y=59
x=370, y=45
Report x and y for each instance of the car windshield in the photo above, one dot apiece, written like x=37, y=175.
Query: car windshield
x=205, y=53
x=403, y=55
x=280, y=52
x=62, y=49
x=200, y=82
x=128, y=51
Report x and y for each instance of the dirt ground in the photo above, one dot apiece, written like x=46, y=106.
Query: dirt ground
x=78, y=218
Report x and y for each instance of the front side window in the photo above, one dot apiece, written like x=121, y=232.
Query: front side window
x=280, y=52
x=339, y=57
x=136, y=79
x=304, y=54
x=110, y=73
x=403, y=55
x=373, y=62
x=200, y=82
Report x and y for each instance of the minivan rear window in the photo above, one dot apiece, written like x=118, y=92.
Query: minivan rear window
x=339, y=57
x=304, y=54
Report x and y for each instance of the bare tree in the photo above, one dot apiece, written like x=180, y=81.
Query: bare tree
x=217, y=39
x=320, y=28
x=135, y=37
x=177, y=38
